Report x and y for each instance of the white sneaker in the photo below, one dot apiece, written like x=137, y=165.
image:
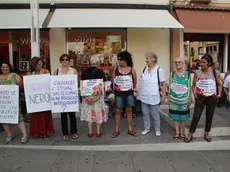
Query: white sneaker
x=144, y=132
x=158, y=133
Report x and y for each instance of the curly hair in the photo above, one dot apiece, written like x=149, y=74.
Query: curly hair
x=127, y=57
x=33, y=63
x=8, y=64
x=209, y=59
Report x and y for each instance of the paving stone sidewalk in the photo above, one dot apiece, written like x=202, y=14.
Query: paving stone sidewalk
x=21, y=160
x=107, y=130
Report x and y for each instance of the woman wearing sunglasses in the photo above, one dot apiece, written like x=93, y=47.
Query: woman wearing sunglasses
x=65, y=69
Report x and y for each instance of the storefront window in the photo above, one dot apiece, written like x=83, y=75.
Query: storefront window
x=82, y=44
x=22, y=50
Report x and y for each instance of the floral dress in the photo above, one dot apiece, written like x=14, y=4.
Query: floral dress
x=93, y=112
x=12, y=81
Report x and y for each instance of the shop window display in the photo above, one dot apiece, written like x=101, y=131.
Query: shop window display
x=22, y=50
x=82, y=44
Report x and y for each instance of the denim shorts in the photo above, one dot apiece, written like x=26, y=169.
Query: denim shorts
x=124, y=101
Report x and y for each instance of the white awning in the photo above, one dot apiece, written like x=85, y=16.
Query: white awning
x=19, y=19
x=113, y=18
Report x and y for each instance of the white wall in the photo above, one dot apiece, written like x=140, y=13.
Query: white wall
x=140, y=41
x=92, y=1
x=57, y=46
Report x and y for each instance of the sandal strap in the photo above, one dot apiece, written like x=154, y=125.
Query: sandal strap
x=116, y=133
x=132, y=133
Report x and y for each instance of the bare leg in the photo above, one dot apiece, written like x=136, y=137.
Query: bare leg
x=177, y=126
x=98, y=126
x=129, y=117
x=90, y=127
x=22, y=128
x=117, y=118
x=182, y=124
x=6, y=128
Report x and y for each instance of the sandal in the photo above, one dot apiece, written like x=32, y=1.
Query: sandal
x=44, y=136
x=176, y=136
x=182, y=136
x=90, y=134
x=132, y=133
x=65, y=137
x=98, y=134
x=115, y=134
x=74, y=136
x=188, y=139
x=207, y=137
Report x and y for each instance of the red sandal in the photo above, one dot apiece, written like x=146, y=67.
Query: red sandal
x=98, y=134
x=90, y=134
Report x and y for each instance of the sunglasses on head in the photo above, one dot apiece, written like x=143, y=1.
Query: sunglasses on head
x=64, y=59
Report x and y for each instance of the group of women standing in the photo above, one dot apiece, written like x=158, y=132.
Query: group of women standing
x=151, y=92
x=206, y=88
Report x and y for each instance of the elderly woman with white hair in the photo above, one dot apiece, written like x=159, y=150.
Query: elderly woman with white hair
x=93, y=107
x=151, y=92
x=179, y=98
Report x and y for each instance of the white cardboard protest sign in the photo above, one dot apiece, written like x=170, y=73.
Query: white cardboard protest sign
x=37, y=92
x=9, y=104
x=64, y=93
x=91, y=87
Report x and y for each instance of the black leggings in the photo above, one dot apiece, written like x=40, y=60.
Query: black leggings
x=201, y=102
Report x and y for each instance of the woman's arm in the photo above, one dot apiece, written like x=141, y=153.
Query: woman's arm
x=134, y=78
x=19, y=81
x=46, y=71
x=219, y=84
x=194, y=84
x=170, y=81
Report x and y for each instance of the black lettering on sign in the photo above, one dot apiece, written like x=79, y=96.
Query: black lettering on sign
x=39, y=98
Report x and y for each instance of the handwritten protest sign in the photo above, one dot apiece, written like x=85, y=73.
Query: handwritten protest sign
x=64, y=93
x=9, y=104
x=37, y=92
x=91, y=87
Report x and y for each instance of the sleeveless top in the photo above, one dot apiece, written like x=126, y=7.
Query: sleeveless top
x=179, y=89
x=10, y=81
x=205, y=83
x=70, y=71
x=148, y=91
x=123, y=83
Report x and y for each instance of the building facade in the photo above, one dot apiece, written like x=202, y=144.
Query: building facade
x=86, y=28
x=206, y=30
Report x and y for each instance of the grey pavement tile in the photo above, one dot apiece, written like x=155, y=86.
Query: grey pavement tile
x=218, y=160
x=8, y=157
x=67, y=162
x=35, y=161
x=151, y=162
x=86, y=161
x=113, y=162
x=188, y=162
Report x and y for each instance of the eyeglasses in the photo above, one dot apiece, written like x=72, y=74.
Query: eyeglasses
x=64, y=59
x=178, y=62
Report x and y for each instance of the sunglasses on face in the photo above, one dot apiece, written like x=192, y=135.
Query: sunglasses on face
x=64, y=60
